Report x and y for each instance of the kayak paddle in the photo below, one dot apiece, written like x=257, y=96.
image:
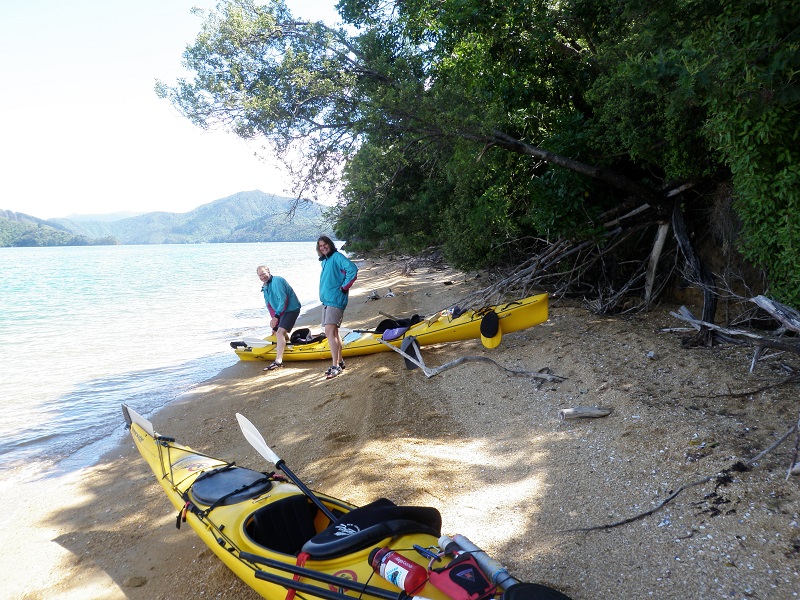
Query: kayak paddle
x=333, y=581
x=256, y=440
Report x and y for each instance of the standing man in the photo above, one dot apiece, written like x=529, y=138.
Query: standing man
x=283, y=307
x=338, y=274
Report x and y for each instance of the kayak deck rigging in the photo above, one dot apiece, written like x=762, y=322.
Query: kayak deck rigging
x=265, y=528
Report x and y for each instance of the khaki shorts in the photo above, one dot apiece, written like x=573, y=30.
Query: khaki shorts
x=332, y=316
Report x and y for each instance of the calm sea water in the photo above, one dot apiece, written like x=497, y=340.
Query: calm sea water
x=84, y=329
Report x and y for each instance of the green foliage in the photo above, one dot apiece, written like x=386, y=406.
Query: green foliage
x=566, y=204
x=388, y=213
x=638, y=109
x=24, y=233
x=744, y=65
x=480, y=125
x=474, y=220
x=10, y=231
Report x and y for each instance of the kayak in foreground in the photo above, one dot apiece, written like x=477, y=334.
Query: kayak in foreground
x=489, y=324
x=282, y=539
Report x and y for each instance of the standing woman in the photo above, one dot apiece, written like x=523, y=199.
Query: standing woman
x=338, y=274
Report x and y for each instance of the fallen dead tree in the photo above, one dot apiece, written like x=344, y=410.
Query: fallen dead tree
x=787, y=317
x=547, y=272
x=611, y=271
x=601, y=270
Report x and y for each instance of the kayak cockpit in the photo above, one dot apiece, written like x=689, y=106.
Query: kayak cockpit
x=366, y=526
x=283, y=525
x=288, y=526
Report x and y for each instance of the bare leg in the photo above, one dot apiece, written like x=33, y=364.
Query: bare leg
x=335, y=343
x=281, y=335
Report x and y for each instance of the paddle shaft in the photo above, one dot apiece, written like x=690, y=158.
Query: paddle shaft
x=291, y=584
x=320, y=592
x=253, y=435
x=296, y=480
x=348, y=584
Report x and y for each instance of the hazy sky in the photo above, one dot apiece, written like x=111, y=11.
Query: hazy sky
x=81, y=130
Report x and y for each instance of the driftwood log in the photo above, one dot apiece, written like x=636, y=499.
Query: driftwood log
x=542, y=374
x=583, y=412
x=783, y=314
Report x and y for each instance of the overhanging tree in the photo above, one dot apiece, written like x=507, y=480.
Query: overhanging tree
x=320, y=91
x=417, y=102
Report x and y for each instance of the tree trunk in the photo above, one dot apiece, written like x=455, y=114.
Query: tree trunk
x=615, y=179
x=658, y=247
x=699, y=273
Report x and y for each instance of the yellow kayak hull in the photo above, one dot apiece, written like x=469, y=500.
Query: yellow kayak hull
x=441, y=328
x=226, y=529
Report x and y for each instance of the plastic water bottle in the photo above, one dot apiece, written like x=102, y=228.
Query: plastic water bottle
x=397, y=569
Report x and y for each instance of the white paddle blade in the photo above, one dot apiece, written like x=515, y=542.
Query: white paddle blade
x=256, y=440
x=135, y=417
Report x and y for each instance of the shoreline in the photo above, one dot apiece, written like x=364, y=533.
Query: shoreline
x=70, y=359
x=50, y=540
x=43, y=465
x=488, y=450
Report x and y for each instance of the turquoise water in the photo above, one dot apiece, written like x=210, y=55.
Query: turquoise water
x=84, y=329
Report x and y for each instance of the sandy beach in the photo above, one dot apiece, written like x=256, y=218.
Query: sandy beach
x=487, y=449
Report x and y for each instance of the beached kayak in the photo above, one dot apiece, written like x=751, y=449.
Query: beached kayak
x=489, y=324
x=277, y=535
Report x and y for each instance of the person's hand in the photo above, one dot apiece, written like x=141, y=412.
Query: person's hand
x=274, y=323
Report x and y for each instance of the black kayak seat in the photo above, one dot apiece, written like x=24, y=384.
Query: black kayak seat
x=303, y=336
x=284, y=525
x=366, y=526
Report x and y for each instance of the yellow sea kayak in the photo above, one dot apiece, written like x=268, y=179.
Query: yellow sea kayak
x=277, y=535
x=442, y=327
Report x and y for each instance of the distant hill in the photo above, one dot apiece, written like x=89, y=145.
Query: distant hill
x=19, y=229
x=252, y=216
x=27, y=220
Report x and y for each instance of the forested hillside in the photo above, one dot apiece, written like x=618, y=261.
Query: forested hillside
x=244, y=217
x=19, y=229
x=613, y=147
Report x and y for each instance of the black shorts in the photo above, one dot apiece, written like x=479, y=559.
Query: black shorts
x=287, y=319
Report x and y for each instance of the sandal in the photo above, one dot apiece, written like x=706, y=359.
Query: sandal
x=273, y=366
x=333, y=372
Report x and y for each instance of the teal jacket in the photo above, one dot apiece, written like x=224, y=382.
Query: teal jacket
x=338, y=274
x=279, y=296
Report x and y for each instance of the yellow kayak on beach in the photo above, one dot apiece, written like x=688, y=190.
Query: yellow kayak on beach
x=283, y=539
x=489, y=324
